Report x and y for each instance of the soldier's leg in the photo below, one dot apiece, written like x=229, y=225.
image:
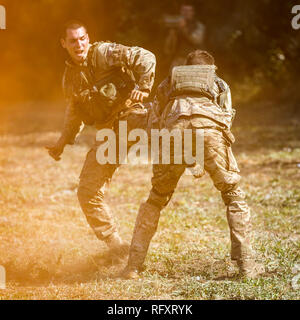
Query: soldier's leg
x=222, y=167
x=164, y=182
x=94, y=180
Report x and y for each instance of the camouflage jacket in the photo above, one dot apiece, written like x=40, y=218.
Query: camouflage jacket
x=102, y=57
x=167, y=109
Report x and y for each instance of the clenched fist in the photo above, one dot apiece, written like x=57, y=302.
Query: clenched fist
x=137, y=95
x=55, y=151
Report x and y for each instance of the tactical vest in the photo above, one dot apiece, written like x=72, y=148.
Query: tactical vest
x=113, y=86
x=193, y=79
x=99, y=96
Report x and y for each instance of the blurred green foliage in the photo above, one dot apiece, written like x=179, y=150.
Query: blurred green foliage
x=255, y=46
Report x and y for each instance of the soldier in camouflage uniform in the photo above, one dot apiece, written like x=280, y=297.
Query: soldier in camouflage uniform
x=194, y=97
x=188, y=35
x=102, y=106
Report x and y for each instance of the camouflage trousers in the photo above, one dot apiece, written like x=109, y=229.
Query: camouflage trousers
x=95, y=179
x=220, y=164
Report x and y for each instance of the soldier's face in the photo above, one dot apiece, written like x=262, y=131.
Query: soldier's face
x=187, y=12
x=76, y=43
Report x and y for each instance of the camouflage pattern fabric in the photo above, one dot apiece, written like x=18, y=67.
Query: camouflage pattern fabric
x=221, y=165
x=197, y=79
x=217, y=112
x=102, y=57
x=94, y=178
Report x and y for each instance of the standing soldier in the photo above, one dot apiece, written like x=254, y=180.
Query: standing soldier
x=98, y=80
x=194, y=97
x=185, y=35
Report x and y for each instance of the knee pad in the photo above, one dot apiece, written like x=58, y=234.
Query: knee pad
x=233, y=194
x=159, y=200
x=225, y=180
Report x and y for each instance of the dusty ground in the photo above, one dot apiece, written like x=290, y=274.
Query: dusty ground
x=50, y=252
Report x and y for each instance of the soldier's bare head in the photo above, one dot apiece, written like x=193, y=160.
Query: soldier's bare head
x=75, y=40
x=187, y=11
x=199, y=57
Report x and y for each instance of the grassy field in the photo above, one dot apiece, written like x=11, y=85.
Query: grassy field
x=50, y=252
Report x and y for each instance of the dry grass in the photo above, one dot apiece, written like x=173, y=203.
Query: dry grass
x=50, y=252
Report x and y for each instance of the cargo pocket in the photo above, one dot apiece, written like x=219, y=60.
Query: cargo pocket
x=232, y=164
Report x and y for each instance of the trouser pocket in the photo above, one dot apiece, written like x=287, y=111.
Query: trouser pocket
x=232, y=164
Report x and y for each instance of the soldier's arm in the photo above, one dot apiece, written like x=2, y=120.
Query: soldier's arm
x=71, y=127
x=224, y=95
x=138, y=60
x=163, y=95
x=161, y=99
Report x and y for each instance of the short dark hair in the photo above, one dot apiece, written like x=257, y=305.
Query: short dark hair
x=72, y=24
x=199, y=57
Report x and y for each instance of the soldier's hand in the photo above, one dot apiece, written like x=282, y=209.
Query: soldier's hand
x=137, y=95
x=55, y=151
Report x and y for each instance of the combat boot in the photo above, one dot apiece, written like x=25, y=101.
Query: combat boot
x=249, y=268
x=130, y=273
x=117, y=246
x=145, y=227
